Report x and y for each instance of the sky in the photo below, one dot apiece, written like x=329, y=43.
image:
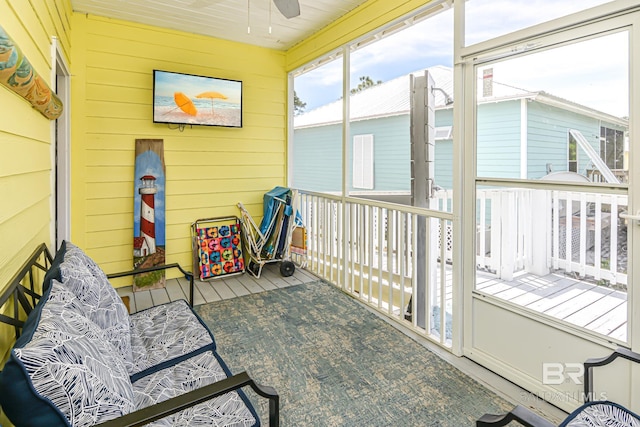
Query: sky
x=593, y=73
x=166, y=83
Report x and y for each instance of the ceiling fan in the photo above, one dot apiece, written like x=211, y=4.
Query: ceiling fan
x=288, y=8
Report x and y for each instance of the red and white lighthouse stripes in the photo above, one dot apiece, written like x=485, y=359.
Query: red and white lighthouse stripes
x=147, y=211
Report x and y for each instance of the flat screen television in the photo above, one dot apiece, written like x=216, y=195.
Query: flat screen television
x=187, y=99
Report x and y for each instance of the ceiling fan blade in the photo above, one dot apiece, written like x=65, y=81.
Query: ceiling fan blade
x=289, y=8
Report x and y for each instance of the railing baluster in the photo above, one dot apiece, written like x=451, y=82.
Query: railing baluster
x=613, y=252
x=583, y=233
x=524, y=217
x=336, y=237
x=401, y=261
x=597, y=238
x=362, y=244
x=370, y=234
x=339, y=239
x=481, y=230
x=353, y=224
x=314, y=217
x=326, y=220
x=317, y=234
x=316, y=220
x=332, y=241
x=556, y=228
x=327, y=242
x=414, y=270
x=430, y=292
x=380, y=247
x=495, y=231
x=344, y=239
x=568, y=233
x=443, y=289
x=407, y=237
x=311, y=233
x=390, y=238
x=308, y=223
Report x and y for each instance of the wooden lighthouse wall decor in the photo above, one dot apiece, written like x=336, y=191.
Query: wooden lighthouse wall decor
x=149, y=213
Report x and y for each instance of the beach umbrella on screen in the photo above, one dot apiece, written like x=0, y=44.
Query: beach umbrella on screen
x=185, y=103
x=211, y=95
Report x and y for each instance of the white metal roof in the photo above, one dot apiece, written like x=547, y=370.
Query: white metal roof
x=392, y=98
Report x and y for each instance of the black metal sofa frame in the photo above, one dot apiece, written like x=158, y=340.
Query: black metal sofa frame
x=23, y=293
x=528, y=418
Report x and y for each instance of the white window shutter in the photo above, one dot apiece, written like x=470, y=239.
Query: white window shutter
x=357, y=161
x=367, y=162
x=363, y=161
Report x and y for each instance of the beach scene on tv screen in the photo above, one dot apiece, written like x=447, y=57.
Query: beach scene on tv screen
x=196, y=100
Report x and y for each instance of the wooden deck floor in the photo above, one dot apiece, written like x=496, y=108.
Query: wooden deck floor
x=215, y=290
x=597, y=308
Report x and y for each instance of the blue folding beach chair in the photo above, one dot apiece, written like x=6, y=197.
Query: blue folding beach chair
x=271, y=241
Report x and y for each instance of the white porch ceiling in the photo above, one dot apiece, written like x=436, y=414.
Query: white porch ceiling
x=226, y=19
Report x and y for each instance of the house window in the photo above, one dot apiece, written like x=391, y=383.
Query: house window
x=363, y=161
x=612, y=147
x=573, y=154
x=443, y=132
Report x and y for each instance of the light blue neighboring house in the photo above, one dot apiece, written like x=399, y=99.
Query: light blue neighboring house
x=521, y=134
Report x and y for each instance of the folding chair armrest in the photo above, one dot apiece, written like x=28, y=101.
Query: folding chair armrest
x=519, y=414
x=589, y=364
x=171, y=406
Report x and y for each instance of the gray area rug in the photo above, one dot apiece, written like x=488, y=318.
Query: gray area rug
x=334, y=363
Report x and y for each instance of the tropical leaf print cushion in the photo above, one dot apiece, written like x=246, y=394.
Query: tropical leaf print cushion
x=609, y=414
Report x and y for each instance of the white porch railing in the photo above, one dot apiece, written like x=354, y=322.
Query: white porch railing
x=370, y=250
x=502, y=229
x=526, y=230
x=596, y=246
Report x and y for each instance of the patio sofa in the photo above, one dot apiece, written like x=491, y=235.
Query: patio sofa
x=592, y=413
x=80, y=359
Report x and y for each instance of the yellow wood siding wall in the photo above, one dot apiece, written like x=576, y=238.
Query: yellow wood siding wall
x=208, y=169
x=25, y=141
